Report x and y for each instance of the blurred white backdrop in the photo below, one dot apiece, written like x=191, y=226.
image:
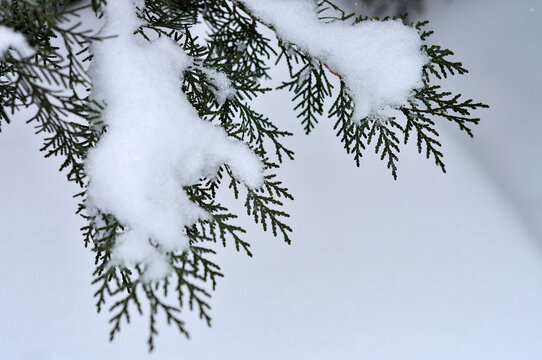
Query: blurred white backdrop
x=432, y=266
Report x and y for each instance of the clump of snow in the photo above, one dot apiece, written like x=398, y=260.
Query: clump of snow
x=154, y=145
x=380, y=62
x=224, y=87
x=9, y=38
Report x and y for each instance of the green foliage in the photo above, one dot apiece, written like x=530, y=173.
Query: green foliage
x=53, y=84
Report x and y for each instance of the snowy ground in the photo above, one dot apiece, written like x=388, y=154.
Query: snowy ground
x=432, y=266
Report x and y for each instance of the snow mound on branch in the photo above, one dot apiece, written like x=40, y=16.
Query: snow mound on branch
x=380, y=61
x=154, y=145
x=12, y=39
x=224, y=88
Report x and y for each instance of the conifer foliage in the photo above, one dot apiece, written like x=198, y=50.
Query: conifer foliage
x=54, y=84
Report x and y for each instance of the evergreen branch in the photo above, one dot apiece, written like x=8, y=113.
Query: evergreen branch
x=233, y=33
x=263, y=209
x=328, y=11
x=256, y=129
x=387, y=141
x=122, y=307
x=49, y=80
x=156, y=304
x=351, y=133
x=425, y=136
x=311, y=87
x=446, y=105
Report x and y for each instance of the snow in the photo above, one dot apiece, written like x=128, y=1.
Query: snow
x=380, y=62
x=224, y=87
x=9, y=38
x=155, y=143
